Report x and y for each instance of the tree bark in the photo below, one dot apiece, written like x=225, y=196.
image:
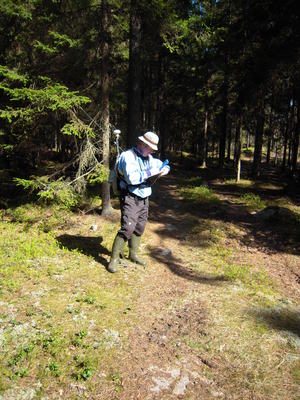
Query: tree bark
x=203, y=136
x=106, y=204
x=229, y=138
x=162, y=111
x=258, y=139
x=135, y=75
x=295, y=145
x=238, y=147
x=269, y=148
x=285, y=143
x=222, y=142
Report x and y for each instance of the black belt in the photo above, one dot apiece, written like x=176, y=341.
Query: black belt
x=135, y=196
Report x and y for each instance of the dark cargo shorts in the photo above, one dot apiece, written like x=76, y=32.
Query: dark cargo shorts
x=134, y=215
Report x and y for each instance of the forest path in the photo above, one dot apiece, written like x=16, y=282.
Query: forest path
x=158, y=363
x=168, y=352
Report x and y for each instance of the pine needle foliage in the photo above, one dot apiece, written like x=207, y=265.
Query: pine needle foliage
x=35, y=97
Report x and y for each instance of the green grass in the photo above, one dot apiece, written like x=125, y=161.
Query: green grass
x=199, y=193
x=252, y=201
x=252, y=184
x=65, y=321
x=296, y=372
x=251, y=334
x=62, y=315
x=243, y=183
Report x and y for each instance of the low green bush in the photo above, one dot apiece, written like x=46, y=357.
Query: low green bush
x=252, y=201
x=199, y=194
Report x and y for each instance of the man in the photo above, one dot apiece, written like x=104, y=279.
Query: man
x=135, y=167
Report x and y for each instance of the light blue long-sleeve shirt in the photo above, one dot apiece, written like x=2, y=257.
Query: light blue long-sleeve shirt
x=135, y=169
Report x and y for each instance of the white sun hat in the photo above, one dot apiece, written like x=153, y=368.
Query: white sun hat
x=151, y=139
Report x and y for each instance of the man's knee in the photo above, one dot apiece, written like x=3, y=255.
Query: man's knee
x=127, y=231
x=139, y=229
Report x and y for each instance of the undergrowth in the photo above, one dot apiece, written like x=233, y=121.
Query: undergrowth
x=196, y=191
x=62, y=316
x=64, y=320
x=252, y=201
x=254, y=330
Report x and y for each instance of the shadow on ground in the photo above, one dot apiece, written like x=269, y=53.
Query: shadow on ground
x=273, y=232
x=175, y=265
x=279, y=319
x=90, y=246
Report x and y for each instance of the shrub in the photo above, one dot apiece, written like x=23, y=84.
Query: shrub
x=252, y=201
x=199, y=194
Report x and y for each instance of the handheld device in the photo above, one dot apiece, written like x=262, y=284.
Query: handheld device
x=164, y=164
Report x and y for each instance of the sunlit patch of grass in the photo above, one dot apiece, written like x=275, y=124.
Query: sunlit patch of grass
x=62, y=315
x=258, y=354
x=255, y=280
x=282, y=202
x=196, y=190
x=253, y=356
x=243, y=183
x=45, y=219
x=295, y=370
x=22, y=254
x=235, y=232
x=268, y=186
x=237, y=273
x=248, y=183
x=221, y=258
x=205, y=234
x=252, y=201
x=199, y=194
x=66, y=321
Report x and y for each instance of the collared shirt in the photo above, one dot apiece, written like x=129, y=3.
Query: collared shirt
x=136, y=169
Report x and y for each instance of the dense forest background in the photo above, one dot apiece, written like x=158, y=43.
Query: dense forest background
x=213, y=78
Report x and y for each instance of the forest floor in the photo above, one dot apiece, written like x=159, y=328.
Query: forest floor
x=214, y=315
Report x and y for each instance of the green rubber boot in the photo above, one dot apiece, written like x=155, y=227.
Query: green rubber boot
x=117, y=248
x=134, y=243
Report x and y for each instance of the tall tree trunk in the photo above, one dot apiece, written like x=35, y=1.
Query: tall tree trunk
x=106, y=204
x=269, y=148
x=238, y=148
x=285, y=143
x=149, y=105
x=161, y=108
x=203, y=136
x=270, y=134
x=258, y=139
x=135, y=75
x=222, y=142
x=295, y=144
x=229, y=139
x=289, y=162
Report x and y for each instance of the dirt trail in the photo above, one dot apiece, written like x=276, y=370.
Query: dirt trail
x=158, y=364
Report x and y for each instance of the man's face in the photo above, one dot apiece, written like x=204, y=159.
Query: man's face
x=144, y=149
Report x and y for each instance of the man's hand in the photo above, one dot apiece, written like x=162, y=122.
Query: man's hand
x=164, y=171
x=154, y=171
